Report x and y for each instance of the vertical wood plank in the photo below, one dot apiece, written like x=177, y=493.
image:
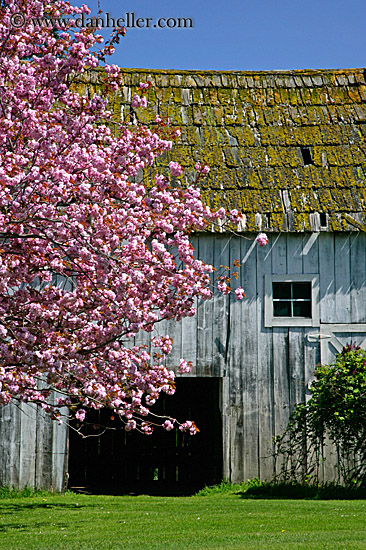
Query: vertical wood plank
x=27, y=462
x=59, y=453
x=235, y=366
x=342, y=272
x=296, y=341
x=296, y=366
x=294, y=253
x=3, y=443
x=189, y=340
x=279, y=254
x=10, y=445
x=311, y=359
x=222, y=256
x=281, y=392
x=281, y=383
x=310, y=253
x=296, y=369
x=265, y=369
x=226, y=428
x=204, y=315
x=43, y=466
x=189, y=330
x=248, y=280
x=327, y=278
x=174, y=330
x=238, y=444
x=358, y=278
x=329, y=470
x=14, y=444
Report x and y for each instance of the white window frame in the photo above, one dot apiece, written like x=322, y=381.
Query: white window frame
x=271, y=321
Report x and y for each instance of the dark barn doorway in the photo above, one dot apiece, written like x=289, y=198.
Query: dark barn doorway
x=163, y=463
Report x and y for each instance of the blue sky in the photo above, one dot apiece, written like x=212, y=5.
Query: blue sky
x=242, y=35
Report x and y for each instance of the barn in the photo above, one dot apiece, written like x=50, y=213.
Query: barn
x=287, y=149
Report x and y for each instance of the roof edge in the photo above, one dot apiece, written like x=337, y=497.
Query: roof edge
x=249, y=73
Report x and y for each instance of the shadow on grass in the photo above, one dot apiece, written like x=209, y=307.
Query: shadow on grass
x=19, y=526
x=17, y=506
x=156, y=490
x=267, y=490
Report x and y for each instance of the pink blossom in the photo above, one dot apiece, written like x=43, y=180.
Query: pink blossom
x=175, y=169
x=234, y=216
x=239, y=293
x=184, y=367
x=262, y=239
x=130, y=425
x=80, y=414
x=202, y=169
x=222, y=286
x=189, y=426
x=136, y=101
x=147, y=428
x=168, y=425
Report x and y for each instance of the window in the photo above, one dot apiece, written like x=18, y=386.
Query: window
x=291, y=300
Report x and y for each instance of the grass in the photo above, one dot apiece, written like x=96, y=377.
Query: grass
x=216, y=519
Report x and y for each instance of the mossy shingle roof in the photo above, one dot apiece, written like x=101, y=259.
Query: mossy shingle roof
x=288, y=149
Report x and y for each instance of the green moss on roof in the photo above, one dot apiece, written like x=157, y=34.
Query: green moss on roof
x=250, y=127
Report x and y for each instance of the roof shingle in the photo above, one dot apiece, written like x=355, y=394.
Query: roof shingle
x=251, y=127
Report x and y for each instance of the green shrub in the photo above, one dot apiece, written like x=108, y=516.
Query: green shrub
x=336, y=409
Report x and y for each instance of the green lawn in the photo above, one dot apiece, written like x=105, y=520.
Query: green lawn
x=213, y=522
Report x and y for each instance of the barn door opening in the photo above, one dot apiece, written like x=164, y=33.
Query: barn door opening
x=162, y=463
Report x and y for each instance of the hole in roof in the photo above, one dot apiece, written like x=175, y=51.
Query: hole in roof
x=306, y=155
x=323, y=220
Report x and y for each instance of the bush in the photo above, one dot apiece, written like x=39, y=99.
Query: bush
x=337, y=409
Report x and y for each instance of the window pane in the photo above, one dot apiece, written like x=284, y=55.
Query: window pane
x=302, y=290
x=282, y=309
x=302, y=309
x=281, y=290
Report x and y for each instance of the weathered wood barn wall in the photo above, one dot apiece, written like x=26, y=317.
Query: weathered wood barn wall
x=266, y=369
x=287, y=149
x=33, y=449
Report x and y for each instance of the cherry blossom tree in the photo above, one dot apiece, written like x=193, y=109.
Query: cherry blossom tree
x=88, y=256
